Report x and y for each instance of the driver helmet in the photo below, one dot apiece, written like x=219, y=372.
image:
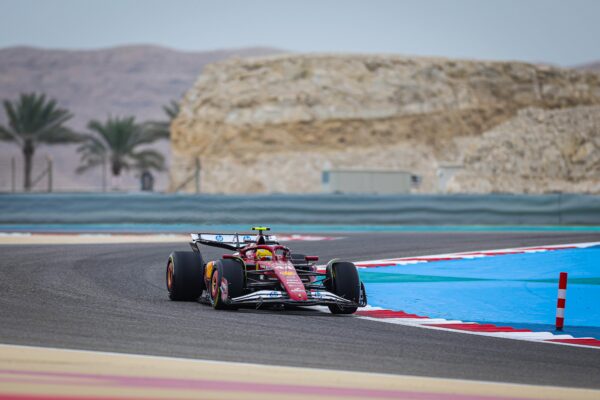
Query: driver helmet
x=263, y=254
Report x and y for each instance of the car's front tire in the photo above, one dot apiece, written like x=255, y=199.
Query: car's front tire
x=226, y=282
x=185, y=275
x=343, y=280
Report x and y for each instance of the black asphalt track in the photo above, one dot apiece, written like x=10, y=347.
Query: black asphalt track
x=113, y=298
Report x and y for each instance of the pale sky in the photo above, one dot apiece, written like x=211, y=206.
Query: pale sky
x=563, y=32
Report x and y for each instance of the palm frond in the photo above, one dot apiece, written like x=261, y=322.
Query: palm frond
x=90, y=163
x=148, y=159
x=13, y=119
x=60, y=135
x=157, y=129
x=96, y=126
x=161, y=129
x=92, y=152
x=171, y=109
x=7, y=134
x=118, y=139
x=34, y=117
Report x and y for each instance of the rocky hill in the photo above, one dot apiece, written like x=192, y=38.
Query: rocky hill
x=279, y=121
x=129, y=80
x=537, y=151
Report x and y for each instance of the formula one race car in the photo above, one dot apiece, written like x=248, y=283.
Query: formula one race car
x=261, y=272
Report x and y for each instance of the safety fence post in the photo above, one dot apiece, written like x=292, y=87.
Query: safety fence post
x=13, y=173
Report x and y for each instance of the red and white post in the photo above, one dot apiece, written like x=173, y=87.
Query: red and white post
x=562, y=299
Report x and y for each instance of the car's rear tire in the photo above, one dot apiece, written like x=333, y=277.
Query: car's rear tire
x=343, y=280
x=185, y=275
x=228, y=275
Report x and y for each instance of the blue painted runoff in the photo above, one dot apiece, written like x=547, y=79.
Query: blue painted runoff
x=516, y=290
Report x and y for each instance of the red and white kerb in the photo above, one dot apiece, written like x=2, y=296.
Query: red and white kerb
x=560, y=304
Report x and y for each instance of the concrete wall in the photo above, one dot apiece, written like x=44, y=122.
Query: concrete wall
x=375, y=182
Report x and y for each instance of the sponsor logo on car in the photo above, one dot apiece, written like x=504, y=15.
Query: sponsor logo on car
x=274, y=294
x=219, y=238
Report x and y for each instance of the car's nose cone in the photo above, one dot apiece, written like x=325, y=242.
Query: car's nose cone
x=290, y=280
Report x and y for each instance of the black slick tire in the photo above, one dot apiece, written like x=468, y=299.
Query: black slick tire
x=185, y=275
x=227, y=274
x=343, y=280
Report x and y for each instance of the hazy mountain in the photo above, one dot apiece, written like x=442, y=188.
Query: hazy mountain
x=129, y=80
x=592, y=66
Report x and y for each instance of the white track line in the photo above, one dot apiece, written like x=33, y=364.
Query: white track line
x=466, y=255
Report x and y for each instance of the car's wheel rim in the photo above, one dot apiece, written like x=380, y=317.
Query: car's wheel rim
x=214, y=287
x=170, y=275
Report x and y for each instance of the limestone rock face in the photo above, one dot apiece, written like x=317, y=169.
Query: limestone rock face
x=538, y=151
x=273, y=123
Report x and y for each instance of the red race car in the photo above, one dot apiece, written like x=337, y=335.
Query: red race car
x=261, y=272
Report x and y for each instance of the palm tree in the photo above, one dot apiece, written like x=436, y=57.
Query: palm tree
x=33, y=120
x=160, y=129
x=118, y=140
x=171, y=109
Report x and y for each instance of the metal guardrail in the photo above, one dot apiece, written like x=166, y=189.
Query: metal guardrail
x=497, y=209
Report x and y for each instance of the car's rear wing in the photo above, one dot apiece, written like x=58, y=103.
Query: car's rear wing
x=229, y=241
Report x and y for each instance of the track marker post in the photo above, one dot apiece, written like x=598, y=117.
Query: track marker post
x=561, y=302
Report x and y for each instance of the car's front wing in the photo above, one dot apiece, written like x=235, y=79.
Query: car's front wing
x=314, y=297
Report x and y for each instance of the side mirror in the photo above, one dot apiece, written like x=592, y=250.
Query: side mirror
x=312, y=258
